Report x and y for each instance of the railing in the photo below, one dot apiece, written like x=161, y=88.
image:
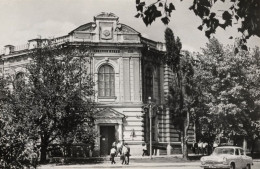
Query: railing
x=21, y=47
x=60, y=40
x=161, y=46
x=54, y=41
x=155, y=45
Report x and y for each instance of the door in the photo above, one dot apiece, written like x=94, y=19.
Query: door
x=107, y=137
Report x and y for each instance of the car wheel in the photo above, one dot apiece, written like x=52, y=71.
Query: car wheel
x=232, y=166
x=248, y=166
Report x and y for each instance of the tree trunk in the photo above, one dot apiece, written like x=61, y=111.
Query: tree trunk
x=185, y=150
x=44, y=146
x=244, y=144
x=253, y=147
x=185, y=135
x=43, y=153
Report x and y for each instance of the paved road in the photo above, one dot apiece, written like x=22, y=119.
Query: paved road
x=159, y=165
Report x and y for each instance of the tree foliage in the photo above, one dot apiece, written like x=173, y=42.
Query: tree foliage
x=245, y=11
x=15, y=148
x=52, y=102
x=230, y=89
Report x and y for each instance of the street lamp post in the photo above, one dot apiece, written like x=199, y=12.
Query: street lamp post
x=150, y=117
x=150, y=107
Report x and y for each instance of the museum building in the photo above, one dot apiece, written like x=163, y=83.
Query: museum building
x=127, y=69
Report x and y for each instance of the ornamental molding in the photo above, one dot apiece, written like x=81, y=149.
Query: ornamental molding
x=124, y=29
x=109, y=113
x=108, y=62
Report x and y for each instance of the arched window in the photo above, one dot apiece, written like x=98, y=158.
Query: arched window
x=19, y=79
x=149, y=83
x=106, y=81
x=19, y=76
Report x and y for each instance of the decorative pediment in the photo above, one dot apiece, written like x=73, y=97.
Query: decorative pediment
x=124, y=29
x=89, y=27
x=106, y=15
x=108, y=113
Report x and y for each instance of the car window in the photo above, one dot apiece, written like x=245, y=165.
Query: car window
x=237, y=152
x=242, y=152
x=223, y=150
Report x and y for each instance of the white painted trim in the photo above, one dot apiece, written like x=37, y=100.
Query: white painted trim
x=108, y=62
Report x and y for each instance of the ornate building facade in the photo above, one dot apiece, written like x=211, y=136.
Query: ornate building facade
x=127, y=69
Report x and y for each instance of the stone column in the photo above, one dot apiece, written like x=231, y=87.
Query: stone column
x=120, y=131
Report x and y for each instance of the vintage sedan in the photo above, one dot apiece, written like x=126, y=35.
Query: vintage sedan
x=231, y=157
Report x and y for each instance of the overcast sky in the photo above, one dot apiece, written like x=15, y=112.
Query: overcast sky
x=22, y=20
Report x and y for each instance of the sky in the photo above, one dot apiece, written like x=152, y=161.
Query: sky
x=22, y=20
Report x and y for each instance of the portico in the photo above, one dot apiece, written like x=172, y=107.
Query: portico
x=109, y=126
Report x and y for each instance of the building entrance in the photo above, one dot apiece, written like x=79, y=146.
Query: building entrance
x=107, y=137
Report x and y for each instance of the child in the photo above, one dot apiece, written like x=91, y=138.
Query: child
x=112, y=155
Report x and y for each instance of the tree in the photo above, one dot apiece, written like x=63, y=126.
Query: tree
x=181, y=97
x=245, y=11
x=15, y=149
x=206, y=123
x=230, y=89
x=53, y=100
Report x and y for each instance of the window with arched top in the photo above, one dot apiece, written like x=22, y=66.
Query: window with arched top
x=106, y=81
x=19, y=79
x=19, y=76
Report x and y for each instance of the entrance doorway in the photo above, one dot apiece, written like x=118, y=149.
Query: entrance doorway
x=107, y=137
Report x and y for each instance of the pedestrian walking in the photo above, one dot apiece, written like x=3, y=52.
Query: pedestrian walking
x=119, y=148
x=125, y=154
x=144, y=147
x=194, y=147
x=112, y=155
x=200, y=147
x=205, y=148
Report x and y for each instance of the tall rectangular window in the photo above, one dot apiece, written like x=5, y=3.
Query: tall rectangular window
x=148, y=83
x=106, y=81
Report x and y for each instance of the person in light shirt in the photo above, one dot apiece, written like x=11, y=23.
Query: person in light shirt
x=200, y=146
x=118, y=148
x=205, y=148
x=125, y=154
x=112, y=155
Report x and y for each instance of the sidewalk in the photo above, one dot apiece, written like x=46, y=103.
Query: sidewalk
x=135, y=161
x=119, y=165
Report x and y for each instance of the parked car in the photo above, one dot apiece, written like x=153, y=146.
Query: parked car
x=227, y=157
